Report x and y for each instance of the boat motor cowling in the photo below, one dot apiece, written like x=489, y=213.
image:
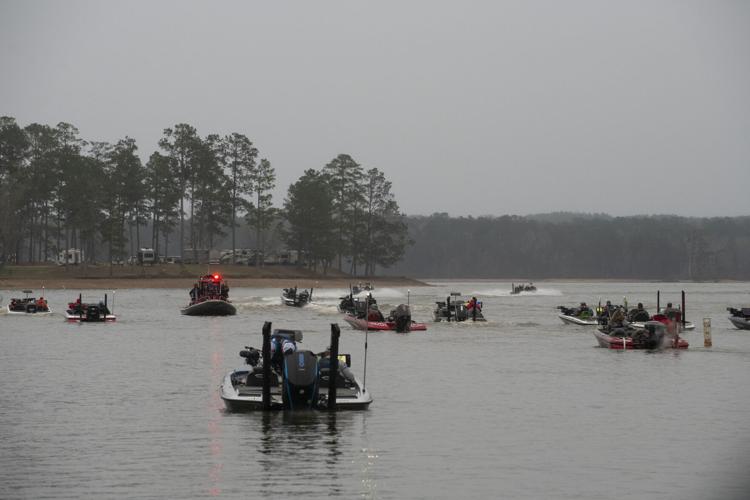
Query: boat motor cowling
x=300, y=379
x=402, y=317
x=651, y=336
x=93, y=313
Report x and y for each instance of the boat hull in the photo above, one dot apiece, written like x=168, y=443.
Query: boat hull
x=577, y=321
x=626, y=343
x=741, y=323
x=362, y=324
x=28, y=313
x=212, y=307
x=75, y=318
x=252, y=399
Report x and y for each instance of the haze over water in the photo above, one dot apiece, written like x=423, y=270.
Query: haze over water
x=523, y=406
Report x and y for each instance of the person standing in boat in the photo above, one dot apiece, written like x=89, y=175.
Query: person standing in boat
x=194, y=292
x=224, y=291
x=473, y=303
x=670, y=312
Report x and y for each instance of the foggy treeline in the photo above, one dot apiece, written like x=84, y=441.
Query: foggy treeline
x=60, y=192
x=565, y=245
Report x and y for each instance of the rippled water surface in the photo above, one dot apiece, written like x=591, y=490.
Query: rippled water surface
x=520, y=407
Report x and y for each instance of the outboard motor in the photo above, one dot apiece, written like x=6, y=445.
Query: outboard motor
x=93, y=313
x=402, y=317
x=651, y=337
x=300, y=380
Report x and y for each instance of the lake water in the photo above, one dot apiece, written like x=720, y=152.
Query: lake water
x=523, y=406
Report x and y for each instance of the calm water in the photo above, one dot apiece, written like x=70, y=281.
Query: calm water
x=521, y=407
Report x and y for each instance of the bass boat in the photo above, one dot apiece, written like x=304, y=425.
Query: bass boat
x=652, y=336
x=582, y=315
x=516, y=288
x=294, y=298
x=456, y=309
x=293, y=379
x=399, y=321
x=210, y=297
x=740, y=317
x=89, y=312
x=28, y=305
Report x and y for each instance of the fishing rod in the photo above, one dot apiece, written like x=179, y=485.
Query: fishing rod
x=367, y=329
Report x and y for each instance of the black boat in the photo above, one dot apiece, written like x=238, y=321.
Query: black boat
x=210, y=297
x=295, y=298
x=292, y=378
x=90, y=312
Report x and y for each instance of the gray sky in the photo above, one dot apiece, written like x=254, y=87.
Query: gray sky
x=470, y=108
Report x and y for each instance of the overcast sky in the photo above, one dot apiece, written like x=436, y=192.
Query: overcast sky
x=470, y=108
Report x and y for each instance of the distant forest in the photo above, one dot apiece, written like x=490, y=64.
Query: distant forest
x=60, y=192
x=565, y=245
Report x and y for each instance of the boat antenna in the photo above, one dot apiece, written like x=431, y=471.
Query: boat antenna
x=367, y=329
x=408, y=293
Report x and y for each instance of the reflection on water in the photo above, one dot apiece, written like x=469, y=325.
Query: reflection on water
x=215, y=407
x=290, y=453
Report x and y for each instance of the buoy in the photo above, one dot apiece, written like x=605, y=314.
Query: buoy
x=707, y=332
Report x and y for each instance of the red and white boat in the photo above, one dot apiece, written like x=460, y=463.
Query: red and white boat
x=363, y=324
x=653, y=336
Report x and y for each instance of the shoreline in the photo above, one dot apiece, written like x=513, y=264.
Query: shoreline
x=21, y=283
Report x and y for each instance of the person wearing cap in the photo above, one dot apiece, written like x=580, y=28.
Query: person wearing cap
x=288, y=347
x=584, y=311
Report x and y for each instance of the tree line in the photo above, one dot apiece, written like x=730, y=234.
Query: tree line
x=565, y=245
x=60, y=191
